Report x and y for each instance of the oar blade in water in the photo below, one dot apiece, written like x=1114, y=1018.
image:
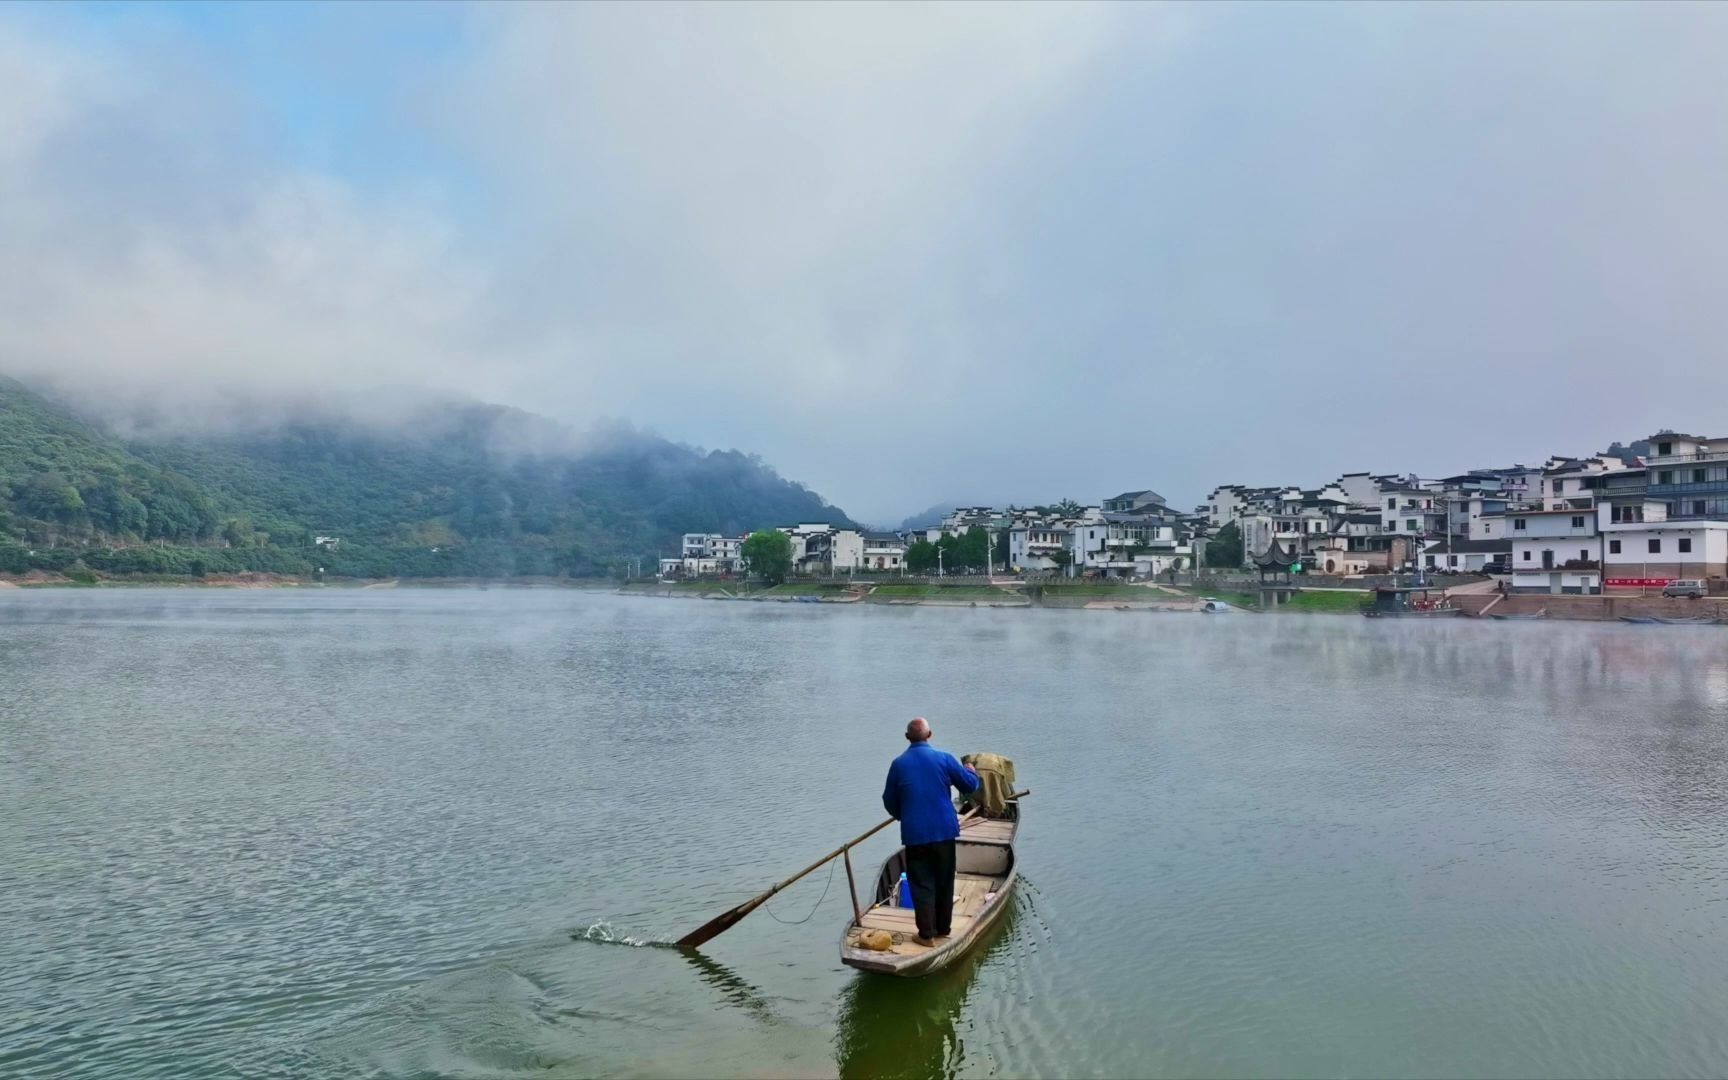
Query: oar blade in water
x=713, y=928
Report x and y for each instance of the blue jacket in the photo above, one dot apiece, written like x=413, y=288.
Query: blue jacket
x=917, y=793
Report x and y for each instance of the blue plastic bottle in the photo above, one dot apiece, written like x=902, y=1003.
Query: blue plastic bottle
x=905, y=892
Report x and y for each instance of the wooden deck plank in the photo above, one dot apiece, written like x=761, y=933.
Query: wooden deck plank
x=995, y=832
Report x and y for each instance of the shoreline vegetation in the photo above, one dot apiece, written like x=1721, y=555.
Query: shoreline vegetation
x=1099, y=596
x=890, y=592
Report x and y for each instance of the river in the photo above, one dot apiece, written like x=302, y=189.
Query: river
x=443, y=832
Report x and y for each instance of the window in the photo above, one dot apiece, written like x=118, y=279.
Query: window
x=1697, y=476
x=1559, y=486
x=1665, y=448
x=1655, y=547
x=1583, y=555
x=1391, y=504
x=1526, y=556
x=1698, y=507
x=1409, y=524
x=1520, y=523
x=1685, y=545
x=1577, y=522
x=1666, y=476
x=1613, y=547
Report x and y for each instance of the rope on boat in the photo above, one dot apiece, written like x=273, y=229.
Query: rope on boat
x=819, y=899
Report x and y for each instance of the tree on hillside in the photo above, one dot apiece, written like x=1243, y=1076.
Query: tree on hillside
x=1067, y=508
x=1224, y=550
x=768, y=554
x=1001, y=552
x=921, y=556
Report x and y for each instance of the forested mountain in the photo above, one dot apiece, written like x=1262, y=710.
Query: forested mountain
x=464, y=490
x=928, y=518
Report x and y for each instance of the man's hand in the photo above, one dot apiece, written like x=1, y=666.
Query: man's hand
x=970, y=769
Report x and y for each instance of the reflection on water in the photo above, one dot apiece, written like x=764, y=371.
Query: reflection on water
x=418, y=833
x=731, y=987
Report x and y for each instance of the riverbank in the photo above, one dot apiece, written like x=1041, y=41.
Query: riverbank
x=1085, y=596
x=1157, y=597
x=41, y=579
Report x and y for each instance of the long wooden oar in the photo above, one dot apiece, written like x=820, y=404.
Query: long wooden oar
x=713, y=928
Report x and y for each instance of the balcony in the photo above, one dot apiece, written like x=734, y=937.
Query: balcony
x=1707, y=487
x=1687, y=459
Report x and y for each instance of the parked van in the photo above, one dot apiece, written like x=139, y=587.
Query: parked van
x=1690, y=587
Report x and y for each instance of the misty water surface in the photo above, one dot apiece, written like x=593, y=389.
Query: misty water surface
x=414, y=833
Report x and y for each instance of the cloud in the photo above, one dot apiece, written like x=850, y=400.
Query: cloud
x=906, y=252
x=765, y=201
x=151, y=249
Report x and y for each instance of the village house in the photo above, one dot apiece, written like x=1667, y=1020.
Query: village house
x=1033, y=545
x=1555, y=551
x=884, y=552
x=1135, y=502
x=820, y=549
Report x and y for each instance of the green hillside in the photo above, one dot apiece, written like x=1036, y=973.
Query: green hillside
x=463, y=491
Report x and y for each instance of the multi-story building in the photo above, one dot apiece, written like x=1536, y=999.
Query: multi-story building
x=1135, y=502
x=704, y=555
x=884, y=552
x=1570, y=484
x=1555, y=551
x=1669, y=519
x=821, y=549
x=1411, y=511
x=1651, y=553
x=1690, y=476
x=1033, y=545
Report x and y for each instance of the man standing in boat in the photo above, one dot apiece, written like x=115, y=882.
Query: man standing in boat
x=917, y=795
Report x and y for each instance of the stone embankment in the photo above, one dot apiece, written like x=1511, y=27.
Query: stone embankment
x=1592, y=608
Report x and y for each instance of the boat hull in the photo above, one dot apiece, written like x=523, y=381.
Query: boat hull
x=984, y=861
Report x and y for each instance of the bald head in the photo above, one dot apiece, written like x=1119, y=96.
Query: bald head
x=918, y=730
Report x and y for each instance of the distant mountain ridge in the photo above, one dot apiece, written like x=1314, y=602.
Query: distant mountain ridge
x=928, y=518
x=462, y=490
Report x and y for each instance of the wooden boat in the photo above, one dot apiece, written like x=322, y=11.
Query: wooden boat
x=1543, y=614
x=983, y=883
x=1638, y=620
x=1690, y=620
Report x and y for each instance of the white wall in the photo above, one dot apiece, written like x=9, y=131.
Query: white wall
x=1435, y=558
x=1709, y=546
x=848, y=550
x=1527, y=552
x=1571, y=523
x=1583, y=581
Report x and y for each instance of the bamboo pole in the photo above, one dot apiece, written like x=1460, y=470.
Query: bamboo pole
x=723, y=922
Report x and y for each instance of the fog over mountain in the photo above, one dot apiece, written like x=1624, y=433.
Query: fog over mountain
x=898, y=251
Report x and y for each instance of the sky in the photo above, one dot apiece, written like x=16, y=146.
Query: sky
x=908, y=254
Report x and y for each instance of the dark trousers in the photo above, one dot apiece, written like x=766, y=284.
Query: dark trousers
x=930, y=872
